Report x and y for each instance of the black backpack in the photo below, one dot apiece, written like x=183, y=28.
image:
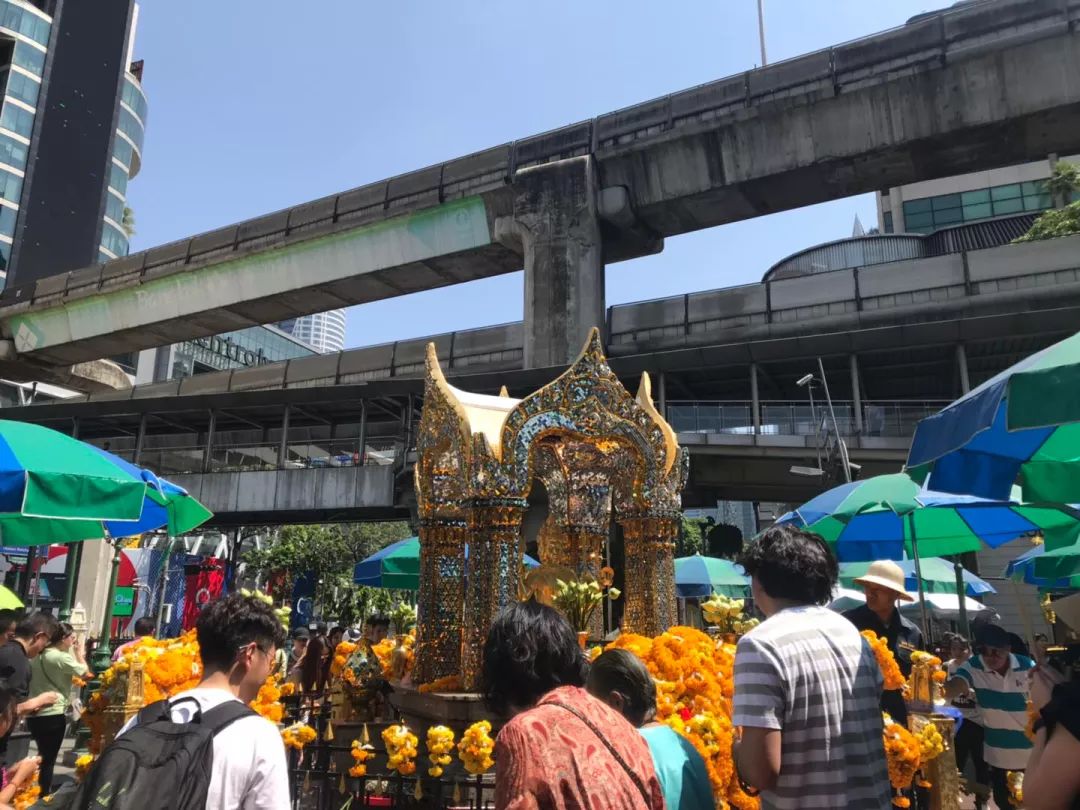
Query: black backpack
x=158, y=763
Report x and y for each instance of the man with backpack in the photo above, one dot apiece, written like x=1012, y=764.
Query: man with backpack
x=204, y=748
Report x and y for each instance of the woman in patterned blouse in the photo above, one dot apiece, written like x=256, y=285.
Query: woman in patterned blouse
x=563, y=749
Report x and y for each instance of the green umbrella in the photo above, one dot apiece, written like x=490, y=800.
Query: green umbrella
x=699, y=577
x=45, y=474
x=1059, y=563
x=397, y=566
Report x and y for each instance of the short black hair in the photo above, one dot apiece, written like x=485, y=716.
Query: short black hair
x=623, y=672
x=992, y=635
x=35, y=623
x=379, y=621
x=792, y=564
x=227, y=624
x=144, y=626
x=63, y=630
x=530, y=650
x=8, y=617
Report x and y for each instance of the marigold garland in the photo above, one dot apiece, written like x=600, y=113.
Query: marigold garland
x=361, y=753
x=440, y=742
x=931, y=743
x=82, y=766
x=475, y=748
x=400, y=749
x=694, y=686
x=342, y=652
x=298, y=735
x=902, y=750
x=28, y=794
x=890, y=670
x=448, y=683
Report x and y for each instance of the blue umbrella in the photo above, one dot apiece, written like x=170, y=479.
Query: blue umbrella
x=1024, y=567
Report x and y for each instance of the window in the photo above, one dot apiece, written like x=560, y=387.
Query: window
x=10, y=186
x=133, y=97
x=122, y=150
x=113, y=240
x=945, y=210
x=118, y=178
x=5, y=255
x=12, y=152
x=22, y=87
x=29, y=57
x=131, y=127
x=7, y=220
x=24, y=22
x=114, y=208
x=17, y=120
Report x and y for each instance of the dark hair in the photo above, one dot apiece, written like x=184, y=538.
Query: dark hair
x=530, y=650
x=30, y=626
x=623, y=672
x=992, y=635
x=8, y=617
x=792, y=564
x=229, y=623
x=144, y=626
x=379, y=621
x=63, y=630
x=311, y=668
x=9, y=707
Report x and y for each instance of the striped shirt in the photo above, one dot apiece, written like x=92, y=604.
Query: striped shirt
x=1002, y=701
x=807, y=672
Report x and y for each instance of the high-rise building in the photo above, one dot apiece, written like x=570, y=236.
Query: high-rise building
x=71, y=133
x=324, y=330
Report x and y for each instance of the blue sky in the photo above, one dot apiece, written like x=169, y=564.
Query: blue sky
x=256, y=106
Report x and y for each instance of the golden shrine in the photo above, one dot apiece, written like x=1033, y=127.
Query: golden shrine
x=602, y=455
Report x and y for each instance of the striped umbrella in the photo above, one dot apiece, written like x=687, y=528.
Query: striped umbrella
x=938, y=576
x=698, y=577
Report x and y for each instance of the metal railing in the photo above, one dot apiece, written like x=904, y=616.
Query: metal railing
x=789, y=418
x=239, y=457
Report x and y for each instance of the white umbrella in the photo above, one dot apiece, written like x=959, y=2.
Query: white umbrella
x=939, y=605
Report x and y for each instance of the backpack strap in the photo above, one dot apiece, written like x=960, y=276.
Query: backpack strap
x=225, y=714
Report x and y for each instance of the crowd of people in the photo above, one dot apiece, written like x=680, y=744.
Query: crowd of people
x=807, y=705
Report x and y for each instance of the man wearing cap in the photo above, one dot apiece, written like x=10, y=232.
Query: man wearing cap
x=1001, y=682
x=883, y=583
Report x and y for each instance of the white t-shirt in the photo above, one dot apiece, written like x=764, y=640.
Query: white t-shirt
x=250, y=771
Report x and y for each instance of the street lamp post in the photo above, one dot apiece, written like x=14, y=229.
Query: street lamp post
x=71, y=573
x=836, y=427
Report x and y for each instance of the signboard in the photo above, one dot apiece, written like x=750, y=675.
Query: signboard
x=15, y=552
x=124, y=603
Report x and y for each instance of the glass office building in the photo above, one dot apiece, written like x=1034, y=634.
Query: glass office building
x=72, y=121
x=324, y=330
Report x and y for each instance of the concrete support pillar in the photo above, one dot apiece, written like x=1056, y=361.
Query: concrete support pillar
x=962, y=366
x=556, y=226
x=661, y=392
x=140, y=439
x=755, y=400
x=283, y=445
x=856, y=395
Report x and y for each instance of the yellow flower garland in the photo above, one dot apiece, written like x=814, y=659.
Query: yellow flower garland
x=400, y=749
x=475, y=748
x=28, y=794
x=440, y=742
x=360, y=754
x=298, y=735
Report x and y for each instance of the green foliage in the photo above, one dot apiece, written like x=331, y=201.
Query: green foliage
x=330, y=551
x=1064, y=180
x=1052, y=224
x=691, y=535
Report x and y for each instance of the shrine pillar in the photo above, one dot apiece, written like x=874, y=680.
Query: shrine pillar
x=440, y=602
x=649, y=543
x=494, y=575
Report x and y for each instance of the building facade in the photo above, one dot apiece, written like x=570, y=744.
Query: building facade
x=324, y=330
x=948, y=202
x=243, y=348
x=71, y=133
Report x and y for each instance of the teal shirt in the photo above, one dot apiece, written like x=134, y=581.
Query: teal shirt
x=680, y=769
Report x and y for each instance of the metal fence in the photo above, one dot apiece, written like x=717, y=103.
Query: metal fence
x=319, y=774
x=887, y=419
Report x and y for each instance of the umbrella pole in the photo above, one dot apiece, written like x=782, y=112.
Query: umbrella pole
x=919, y=579
x=69, y=583
x=961, y=595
